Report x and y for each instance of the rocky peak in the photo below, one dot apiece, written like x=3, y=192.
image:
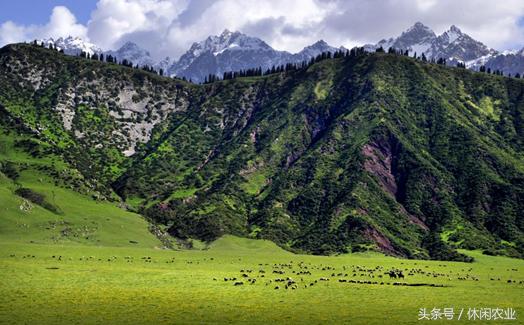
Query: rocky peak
x=418, y=34
x=72, y=45
x=134, y=53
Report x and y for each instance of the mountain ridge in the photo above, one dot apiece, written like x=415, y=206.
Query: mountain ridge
x=366, y=151
x=234, y=51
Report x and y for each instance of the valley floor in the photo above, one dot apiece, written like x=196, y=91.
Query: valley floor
x=82, y=284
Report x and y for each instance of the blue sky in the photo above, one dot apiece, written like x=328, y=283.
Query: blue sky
x=37, y=11
x=169, y=27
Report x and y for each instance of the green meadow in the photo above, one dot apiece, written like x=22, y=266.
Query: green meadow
x=126, y=285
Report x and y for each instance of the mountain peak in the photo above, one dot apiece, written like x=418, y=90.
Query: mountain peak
x=134, y=53
x=455, y=29
x=417, y=33
x=417, y=38
x=453, y=44
x=418, y=26
x=317, y=48
x=453, y=34
x=226, y=32
x=131, y=49
x=130, y=46
x=319, y=43
x=73, y=45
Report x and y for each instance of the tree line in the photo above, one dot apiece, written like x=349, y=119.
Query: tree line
x=255, y=72
x=105, y=58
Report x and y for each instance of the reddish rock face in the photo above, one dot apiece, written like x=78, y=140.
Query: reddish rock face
x=379, y=161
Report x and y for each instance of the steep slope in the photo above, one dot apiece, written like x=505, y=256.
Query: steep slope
x=369, y=151
x=44, y=199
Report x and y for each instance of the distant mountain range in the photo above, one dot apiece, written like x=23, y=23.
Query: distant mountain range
x=454, y=46
x=234, y=51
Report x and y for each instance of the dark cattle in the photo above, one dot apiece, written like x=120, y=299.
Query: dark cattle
x=392, y=275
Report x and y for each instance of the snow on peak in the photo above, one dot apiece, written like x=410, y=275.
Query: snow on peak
x=453, y=34
x=73, y=45
x=228, y=40
x=510, y=52
x=226, y=33
x=134, y=53
x=453, y=44
x=315, y=49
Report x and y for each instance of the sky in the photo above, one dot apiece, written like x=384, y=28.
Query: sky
x=169, y=27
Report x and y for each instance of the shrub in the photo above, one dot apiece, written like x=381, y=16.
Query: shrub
x=37, y=198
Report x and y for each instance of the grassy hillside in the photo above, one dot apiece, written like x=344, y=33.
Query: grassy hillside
x=36, y=207
x=365, y=152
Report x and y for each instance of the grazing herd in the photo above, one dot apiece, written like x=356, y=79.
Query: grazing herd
x=284, y=273
x=292, y=275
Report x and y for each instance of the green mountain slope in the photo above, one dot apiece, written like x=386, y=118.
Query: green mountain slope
x=372, y=151
x=38, y=204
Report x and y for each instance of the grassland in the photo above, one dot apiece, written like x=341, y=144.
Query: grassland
x=81, y=284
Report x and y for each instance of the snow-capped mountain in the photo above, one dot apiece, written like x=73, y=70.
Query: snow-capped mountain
x=509, y=62
x=72, y=45
x=229, y=51
x=313, y=50
x=134, y=53
x=139, y=56
x=418, y=38
x=234, y=51
x=164, y=64
x=453, y=45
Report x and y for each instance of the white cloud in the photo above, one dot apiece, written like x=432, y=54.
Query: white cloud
x=270, y=20
x=11, y=33
x=61, y=23
x=490, y=21
x=114, y=19
x=168, y=27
